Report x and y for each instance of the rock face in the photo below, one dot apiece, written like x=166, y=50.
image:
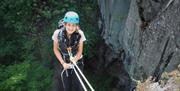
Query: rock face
x=142, y=35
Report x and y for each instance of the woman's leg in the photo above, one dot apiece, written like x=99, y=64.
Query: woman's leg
x=75, y=81
x=67, y=80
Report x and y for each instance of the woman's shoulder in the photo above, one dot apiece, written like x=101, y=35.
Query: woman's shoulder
x=57, y=31
x=55, y=34
x=83, y=38
x=80, y=32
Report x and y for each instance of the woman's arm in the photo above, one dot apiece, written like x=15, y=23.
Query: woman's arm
x=58, y=55
x=79, y=53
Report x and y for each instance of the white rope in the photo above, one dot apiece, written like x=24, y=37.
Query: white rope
x=84, y=77
x=167, y=5
x=62, y=78
x=85, y=89
x=80, y=72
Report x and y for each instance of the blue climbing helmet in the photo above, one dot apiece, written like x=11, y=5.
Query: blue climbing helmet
x=71, y=17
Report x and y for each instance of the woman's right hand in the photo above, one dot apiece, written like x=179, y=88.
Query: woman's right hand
x=66, y=66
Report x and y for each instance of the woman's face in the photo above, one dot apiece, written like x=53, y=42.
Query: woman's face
x=71, y=27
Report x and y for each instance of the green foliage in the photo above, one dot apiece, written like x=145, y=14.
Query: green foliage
x=25, y=76
x=89, y=24
x=39, y=77
x=14, y=78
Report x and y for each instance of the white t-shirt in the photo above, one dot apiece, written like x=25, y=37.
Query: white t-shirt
x=56, y=32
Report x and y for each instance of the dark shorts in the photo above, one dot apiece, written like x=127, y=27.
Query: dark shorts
x=70, y=80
